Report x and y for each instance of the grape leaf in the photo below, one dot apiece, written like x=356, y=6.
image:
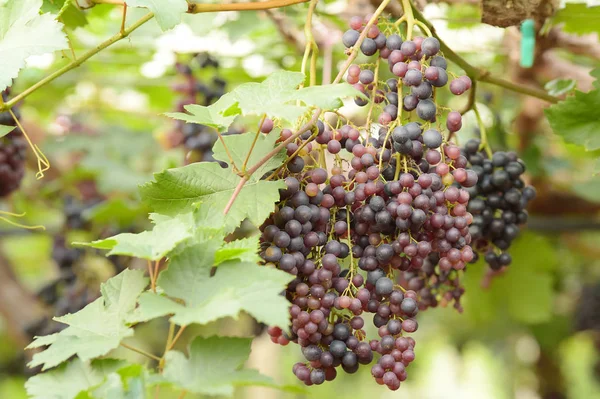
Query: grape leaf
x=96, y=329
x=575, y=118
x=175, y=190
x=4, y=130
x=239, y=145
x=126, y=383
x=214, y=115
x=245, y=250
x=578, y=18
x=69, y=15
x=67, y=381
x=167, y=12
x=152, y=245
x=235, y=287
x=277, y=97
x=23, y=32
x=188, y=270
x=214, y=366
x=327, y=97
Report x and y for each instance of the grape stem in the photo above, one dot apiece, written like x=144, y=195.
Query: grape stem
x=476, y=73
x=373, y=92
x=260, y=125
x=409, y=17
x=304, y=128
x=361, y=38
x=311, y=46
x=140, y=351
x=484, y=142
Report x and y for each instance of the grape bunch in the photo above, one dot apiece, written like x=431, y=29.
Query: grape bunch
x=388, y=230
x=13, y=149
x=197, y=139
x=498, y=202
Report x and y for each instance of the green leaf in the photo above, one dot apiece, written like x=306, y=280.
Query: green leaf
x=4, y=130
x=69, y=15
x=578, y=18
x=277, y=96
x=235, y=287
x=23, y=33
x=189, y=270
x=126, y=383
x=214, y=366
x=152, y=245
x=575, y=119
x=327, y=97
x=167, y=12
x=271, y=96
x=175, y=190
x=213, y=115
x=239, y=145
x=558, y=87
x=245, y=250
x=96, y=329
x=69, y=380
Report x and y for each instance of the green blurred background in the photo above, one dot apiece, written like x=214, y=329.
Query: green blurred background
x=531, y=332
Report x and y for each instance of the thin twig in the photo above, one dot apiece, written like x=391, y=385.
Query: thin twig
x=140, y=351
x=260, y=125
x=176, y=338
x=124, y=18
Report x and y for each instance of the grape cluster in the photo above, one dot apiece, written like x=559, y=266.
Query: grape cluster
x=197, y=139
x=388, y=229
x=13, y=149
x=498, y=202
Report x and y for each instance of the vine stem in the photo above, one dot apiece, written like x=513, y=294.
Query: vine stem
x=307, y=126
x=196, y=8
x=409, y=17
x=176, y=338
x=260, y=125
x=311, y=46
x=484, y=143
x=476, y=73
x=140, y=351
x=361, y=38
x=373, y=92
